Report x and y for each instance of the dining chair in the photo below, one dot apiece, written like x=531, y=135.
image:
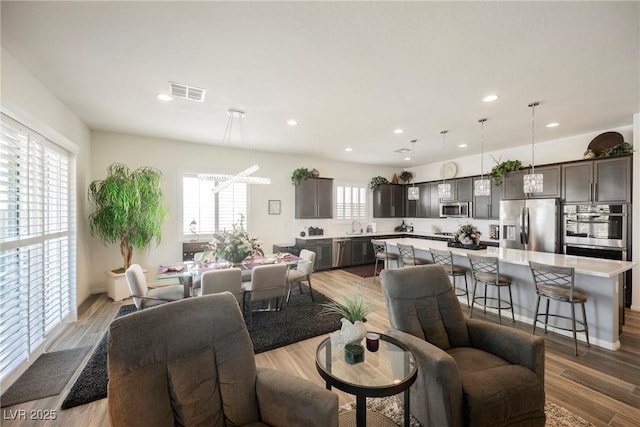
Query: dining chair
x=445, y=259
x=408, y=256
x=143, y=296
x=224, y=279
x=558, y=284
x=302, y=272
x=382, y=254
x=486, y=270
x=268, y=283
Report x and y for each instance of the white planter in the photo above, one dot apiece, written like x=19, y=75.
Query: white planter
x=117, y=286
x=352, y=332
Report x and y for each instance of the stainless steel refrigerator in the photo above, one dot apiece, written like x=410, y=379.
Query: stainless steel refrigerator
x=531, y=225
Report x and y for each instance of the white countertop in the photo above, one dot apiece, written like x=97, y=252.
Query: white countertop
x=382, y=233
x=584, y=265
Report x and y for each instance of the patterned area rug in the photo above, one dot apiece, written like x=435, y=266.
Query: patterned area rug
x=364, y=270
x=391, y=407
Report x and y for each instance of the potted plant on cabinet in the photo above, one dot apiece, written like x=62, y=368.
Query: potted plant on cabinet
x=301, y=174
x=129, y=211
x=501, y=169
x=406, y=177
x=376, y=182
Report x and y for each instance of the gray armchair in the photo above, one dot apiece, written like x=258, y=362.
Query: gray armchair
x=470, y=372
x=191, y=363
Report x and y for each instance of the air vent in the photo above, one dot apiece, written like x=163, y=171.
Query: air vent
x=403, y=150
x=191, y=93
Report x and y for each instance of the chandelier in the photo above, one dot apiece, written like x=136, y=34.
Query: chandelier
x=482, y=186
x=245, y=176
x=533, y=182
x=444, y=189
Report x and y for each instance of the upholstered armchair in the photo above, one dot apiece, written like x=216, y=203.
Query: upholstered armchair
x=470, y=372
x=191, y=363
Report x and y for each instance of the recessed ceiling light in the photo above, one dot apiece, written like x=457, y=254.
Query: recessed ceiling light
x=490, y=98
x=164, y=97
x=553, y=124
x=462, y=146
x=292, y=122
x=407, y=158
x=348, y=149
x=398, y=131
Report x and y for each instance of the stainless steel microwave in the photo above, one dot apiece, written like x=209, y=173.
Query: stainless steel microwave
x=455, y=209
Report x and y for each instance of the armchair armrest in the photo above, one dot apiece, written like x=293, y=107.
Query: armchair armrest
x=287, y=400
x=437, y=393
x=515, y=346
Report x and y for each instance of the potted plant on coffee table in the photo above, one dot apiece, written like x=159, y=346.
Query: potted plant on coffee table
x=353, y=311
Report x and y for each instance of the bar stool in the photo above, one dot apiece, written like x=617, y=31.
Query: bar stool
x=408, y=256
x=382, y=254
x=487, y=270
x=557, y=283
x=445, y=259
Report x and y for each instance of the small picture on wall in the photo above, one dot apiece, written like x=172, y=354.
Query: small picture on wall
x=274, y=207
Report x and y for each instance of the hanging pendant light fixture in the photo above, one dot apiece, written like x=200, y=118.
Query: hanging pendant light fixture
x=482, y=186
x=413, y=193
x=225, y=180
x=533, y=182
x=444, y=189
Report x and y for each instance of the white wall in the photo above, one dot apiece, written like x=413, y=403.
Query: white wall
x=175, y=157
x=28, y=101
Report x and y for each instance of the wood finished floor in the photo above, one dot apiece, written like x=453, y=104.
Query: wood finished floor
x=601, y=386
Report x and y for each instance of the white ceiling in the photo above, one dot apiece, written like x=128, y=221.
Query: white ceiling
x=349, y=72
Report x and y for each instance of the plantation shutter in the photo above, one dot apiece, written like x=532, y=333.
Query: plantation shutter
x=37, y=258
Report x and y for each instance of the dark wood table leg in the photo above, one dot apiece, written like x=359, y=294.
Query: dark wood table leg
x=407, y=412
x=361, y=411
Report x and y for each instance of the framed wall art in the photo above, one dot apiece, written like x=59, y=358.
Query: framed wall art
x=274, y=207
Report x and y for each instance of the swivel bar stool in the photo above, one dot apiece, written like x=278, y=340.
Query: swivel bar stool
x=557, y=283
x=445, y=259
x=487, y=271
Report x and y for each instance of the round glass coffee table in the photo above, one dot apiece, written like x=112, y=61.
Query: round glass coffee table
x=388, y=371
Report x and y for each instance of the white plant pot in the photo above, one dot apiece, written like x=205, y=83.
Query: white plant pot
x=352, y=332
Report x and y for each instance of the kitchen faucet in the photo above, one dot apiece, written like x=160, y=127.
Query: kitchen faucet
x=355, y=229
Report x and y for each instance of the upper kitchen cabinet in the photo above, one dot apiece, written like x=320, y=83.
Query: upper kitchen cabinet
x=461, y=190
x=388, y=201
x=513, y=184
x=597, y=181
x=420, y=208
x=314, y=198
x=487, y=207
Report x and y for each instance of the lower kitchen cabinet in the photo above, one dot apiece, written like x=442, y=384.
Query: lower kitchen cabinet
x=322, y=248
x=362, y=251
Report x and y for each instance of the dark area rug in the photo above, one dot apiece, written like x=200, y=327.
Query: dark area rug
x=92, y=382
x=364, y=270
x=47, y=376
x=269, y=331
x=391, y=407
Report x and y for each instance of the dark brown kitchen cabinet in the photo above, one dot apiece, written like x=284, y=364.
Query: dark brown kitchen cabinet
x=362, y=251
x=597, y=181
x=461, y=190
x=487, y=207
x=314, y=198
x=322, y=248
x=434, y=201
x=388, y=201
x=513, y=184
x=420, y=208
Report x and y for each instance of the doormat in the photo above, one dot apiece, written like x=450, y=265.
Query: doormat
x=364, y=270
x=46, y=377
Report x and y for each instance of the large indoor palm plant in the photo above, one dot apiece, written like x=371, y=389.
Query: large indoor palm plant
x=129, y=208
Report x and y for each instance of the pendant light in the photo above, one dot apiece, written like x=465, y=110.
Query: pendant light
x=482, y=186
x=533, y=182
x=225, y=180
x=444, y=189
x=413, y=193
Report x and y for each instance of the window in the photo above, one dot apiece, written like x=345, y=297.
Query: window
x=211, y=211
x=351, y=202
x=37, y=251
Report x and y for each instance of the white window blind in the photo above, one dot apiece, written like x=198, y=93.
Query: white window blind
x=37, y=282
x=211, y=212
x=351, y=202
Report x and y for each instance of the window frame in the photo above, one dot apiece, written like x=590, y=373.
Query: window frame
x=362, y=206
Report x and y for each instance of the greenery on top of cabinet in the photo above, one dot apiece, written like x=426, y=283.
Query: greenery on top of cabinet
x=377, y=181
x=299, y=175
x=501, y=169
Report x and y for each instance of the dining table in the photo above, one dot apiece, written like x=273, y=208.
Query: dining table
x=188, y=272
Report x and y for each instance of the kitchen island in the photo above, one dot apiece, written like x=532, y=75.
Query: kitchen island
x=600, y=278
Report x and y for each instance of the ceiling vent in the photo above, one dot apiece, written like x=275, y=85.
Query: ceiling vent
x=191, y=93
x=402, y=150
